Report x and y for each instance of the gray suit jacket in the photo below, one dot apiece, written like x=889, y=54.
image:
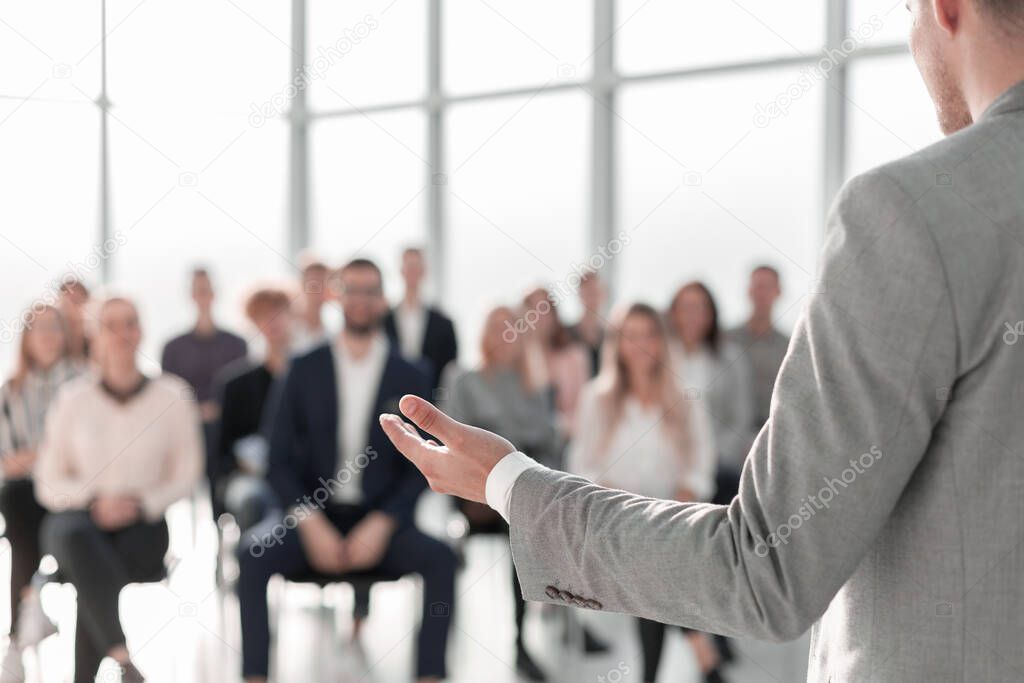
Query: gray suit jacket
x=883, y=502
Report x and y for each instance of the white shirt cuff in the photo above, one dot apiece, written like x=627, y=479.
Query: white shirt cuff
x=498, y=489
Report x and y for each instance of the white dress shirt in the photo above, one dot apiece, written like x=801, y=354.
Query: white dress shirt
x=498, y=488
x=641, y=456
x=358, y=384
x=411, y=322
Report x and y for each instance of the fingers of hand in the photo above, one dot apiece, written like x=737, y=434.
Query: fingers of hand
x=429, y=418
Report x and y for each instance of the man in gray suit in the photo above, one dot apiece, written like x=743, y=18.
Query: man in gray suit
x=883, y=502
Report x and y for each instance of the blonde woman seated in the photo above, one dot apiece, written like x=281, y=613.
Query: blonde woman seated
x=118, y=449
x=637, y=432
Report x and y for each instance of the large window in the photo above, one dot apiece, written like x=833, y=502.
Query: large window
x=512, y=138
x=501, y=244
x=369, y=187
x=664, y=35
x=711, y=206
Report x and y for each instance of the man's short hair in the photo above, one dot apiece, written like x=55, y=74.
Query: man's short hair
x=360, y=264
x=418, y=251
x=1008, y=11
x=768, y=269
x=314, y=266
x=266, y=299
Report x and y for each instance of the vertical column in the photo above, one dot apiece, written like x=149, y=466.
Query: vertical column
x=437, y=177
x=602, y=167
x=104, y=179
x=298, y=141
x=835, y=106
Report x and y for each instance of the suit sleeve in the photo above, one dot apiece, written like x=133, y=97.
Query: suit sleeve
x=451, y=347
x=226, y=430
x=852, y=415
x=283, y=425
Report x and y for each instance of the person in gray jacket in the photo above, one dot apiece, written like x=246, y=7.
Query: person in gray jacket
x=883, y=501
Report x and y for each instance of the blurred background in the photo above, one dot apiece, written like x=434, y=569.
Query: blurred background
x=517, y=143
x=511, y=139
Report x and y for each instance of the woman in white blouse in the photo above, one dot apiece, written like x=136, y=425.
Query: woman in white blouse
x=638, y=432
x=119, y=448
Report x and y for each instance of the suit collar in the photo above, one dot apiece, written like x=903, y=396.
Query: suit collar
x=1011, y=100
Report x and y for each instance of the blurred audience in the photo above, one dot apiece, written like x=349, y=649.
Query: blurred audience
x=119, y=449
x=507, y=393
x=309, y=331
x=198, y=355
x=764, y=345
x=421, y=333
x=72, y=302
x=240, y=487
x=350, y=492
x=589, y=329
x=43, y=366
x=636, y=432
x=566, y=362
x=716, y=372
x=661, y=405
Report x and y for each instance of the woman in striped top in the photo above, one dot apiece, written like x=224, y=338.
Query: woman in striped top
x=42, y=367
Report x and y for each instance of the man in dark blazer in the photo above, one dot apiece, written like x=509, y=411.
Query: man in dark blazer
x=421, y=333
x=349, y=496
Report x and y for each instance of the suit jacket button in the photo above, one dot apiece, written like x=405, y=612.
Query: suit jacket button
x=593, y=604
x=551, y=592
x=566, y=596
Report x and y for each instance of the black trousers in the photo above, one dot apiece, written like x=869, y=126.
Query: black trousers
x=99, y=564
x=274, y=547
x=24, y=517
x=652, y=639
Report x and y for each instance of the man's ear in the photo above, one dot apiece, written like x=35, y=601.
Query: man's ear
x=947, y=15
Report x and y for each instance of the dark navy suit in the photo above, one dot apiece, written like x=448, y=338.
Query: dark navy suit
x=440, y=346
x=305, y=469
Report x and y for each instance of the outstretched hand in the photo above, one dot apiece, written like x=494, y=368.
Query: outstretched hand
x=460, y=466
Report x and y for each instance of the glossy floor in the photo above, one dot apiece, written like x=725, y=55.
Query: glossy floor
x=186, y=630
